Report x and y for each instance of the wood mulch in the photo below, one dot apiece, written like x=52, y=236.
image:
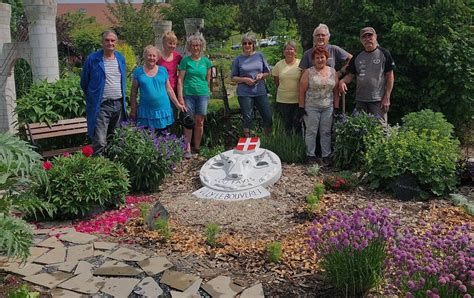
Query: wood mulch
x=248, y=226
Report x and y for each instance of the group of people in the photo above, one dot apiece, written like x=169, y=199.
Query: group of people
x=307, y=90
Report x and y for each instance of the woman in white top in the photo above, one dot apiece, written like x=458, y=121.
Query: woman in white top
x=317, y=99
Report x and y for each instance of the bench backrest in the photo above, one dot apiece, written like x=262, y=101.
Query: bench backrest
x=38, y=131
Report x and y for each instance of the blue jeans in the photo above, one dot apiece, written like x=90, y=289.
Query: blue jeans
x=261, y=102
x=196, y=104
x=110, y=115
x=318, y=119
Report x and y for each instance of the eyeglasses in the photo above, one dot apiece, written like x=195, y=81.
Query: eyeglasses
x=247, y=43
x=367, y=35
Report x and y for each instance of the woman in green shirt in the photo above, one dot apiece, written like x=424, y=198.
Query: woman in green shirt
x=193, y=87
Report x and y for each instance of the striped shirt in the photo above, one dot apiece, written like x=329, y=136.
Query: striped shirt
x=112, y=88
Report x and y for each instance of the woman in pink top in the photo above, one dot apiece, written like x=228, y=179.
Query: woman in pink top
x=170, y=58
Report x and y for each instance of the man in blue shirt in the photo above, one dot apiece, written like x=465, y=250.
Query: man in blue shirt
x=103, y=82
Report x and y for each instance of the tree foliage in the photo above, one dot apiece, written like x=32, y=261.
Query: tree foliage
x=134, y=25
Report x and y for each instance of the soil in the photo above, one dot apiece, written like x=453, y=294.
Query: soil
x=248, y=226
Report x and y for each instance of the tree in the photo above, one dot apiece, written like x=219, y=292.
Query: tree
x=134, y=25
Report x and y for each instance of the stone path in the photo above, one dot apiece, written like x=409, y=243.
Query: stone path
x=72, y=264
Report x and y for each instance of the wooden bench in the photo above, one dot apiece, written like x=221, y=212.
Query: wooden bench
x=67, y=127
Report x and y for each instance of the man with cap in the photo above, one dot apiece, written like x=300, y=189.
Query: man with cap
x=373, y=68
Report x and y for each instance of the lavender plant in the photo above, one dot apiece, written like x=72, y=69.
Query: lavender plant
x=352, y=248
x=148, y=156
x=438, y=263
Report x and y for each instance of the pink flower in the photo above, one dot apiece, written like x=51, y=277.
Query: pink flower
x=87, y=150
x=47, y=165
x=66, y=154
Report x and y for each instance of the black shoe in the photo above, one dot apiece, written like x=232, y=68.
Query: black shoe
x=326, y=162
x=312, y=160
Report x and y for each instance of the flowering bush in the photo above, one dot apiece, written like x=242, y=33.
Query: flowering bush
x=77, y=183
x=340, y=182
x=352, y=248
x=354, y=135
x=438, y=263
x=148, y=157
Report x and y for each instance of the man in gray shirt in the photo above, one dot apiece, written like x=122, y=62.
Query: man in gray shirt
x=373, y=68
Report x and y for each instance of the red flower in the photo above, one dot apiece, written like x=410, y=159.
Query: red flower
x=87, y=150
x=47, y=165
x=66, y=154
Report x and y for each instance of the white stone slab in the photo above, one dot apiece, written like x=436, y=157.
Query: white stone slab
x=258, y=192
x=48, y=280
x=78, y=238
x=155, y=265
x=119, y=287
x=125, y=254
x=149, y=288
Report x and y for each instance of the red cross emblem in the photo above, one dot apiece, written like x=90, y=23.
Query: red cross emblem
x=248, y=144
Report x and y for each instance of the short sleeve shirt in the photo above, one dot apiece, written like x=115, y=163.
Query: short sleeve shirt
x=288, y=77
x=370, y=69
x=195, y=82
x=152, y=89
x=172, y=68
x=250, y=66
x=337, y=56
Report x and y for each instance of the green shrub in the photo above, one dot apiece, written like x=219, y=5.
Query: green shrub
x=274, y=251
x=19, y=165
x=148, y=157
x=290, y=148
x=212, y=231
x=50, y=102
x=144, y=209
x=211, y=152
x=342, y=181
x=163, y=226
x=78, y=183
x=318, y=190
x=313, y=170
x=353, y=137
x=130, y=59
x=217, y=132
x=23, y=292
x=431, y=158
x=312, y=202
x=428, y=120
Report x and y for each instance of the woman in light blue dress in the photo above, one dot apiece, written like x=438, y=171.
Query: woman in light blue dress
x=151, y=81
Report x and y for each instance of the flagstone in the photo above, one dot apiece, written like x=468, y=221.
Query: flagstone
x=119, y=287
x=36, y=252
x=61, y=231
x=67, y=266
x=56, y=255
x=194, y=288
x=155, y=265
x=149, y=288
x=83, y=267
x=255, y=291
x=178, y=280
x=84, y=283
x=98, y=253
x=176, y=294
x=104, y=245
x=48, y=280
x=126, y=254
x=62, y=293
x=78, y=237
x=41, y=231
x=79, y=252
x=26, y=269
x=55, y=224
x=221, y=286
x=51, y=242
x=116, y=268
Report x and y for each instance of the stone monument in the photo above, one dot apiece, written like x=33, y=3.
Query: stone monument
x=40, y=51
x=240, y=174
x=160, y=28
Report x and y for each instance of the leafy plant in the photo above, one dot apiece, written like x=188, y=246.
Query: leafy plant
x=313, y=170
x=162, y=225
x=354, y=135
x=437, y=262
x=144, y=209
x=342, y=181
x=318, y=190
x=78, y=183
x=148, y=157
x=211, y=152
x=50, y=102
x=290, y=148
x=428, y=120
x=274, y=251
x=130, y=59
x=18, y=165
x=312, y=202
x=23, y=292
x=352, y=248
x=212, y=231
x=431, y=158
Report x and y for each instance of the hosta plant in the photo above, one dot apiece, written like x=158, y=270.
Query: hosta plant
x=352, y=248
x=148, y=156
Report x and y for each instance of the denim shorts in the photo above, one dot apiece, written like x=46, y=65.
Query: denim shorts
x=196, y=104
